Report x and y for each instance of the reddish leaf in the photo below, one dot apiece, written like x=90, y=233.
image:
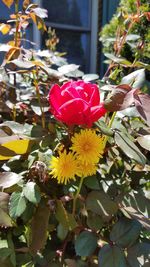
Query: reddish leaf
x=121, y=98
x=142, y=103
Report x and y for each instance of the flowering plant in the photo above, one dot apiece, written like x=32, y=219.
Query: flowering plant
x=74, y=155
x=76, y=102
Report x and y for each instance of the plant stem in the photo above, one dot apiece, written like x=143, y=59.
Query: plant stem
x=17, y=22
x=40, y=104
x=76, y=195
x=109, y=126
x=14, y=112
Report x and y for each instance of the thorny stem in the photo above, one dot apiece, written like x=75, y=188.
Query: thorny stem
x=76, y=195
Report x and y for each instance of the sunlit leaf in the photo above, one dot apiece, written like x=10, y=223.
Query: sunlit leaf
x=90, y=77
x=13, y=148
x=8, y=179
x=134, y=214
x=68, y=68
x=8, y=3
x=41, y=12
x=121, y=98
x=4, y=28
x=129, y=148
x=17, y=204
x=31, y=192
x=38, y=21
x=144, y=141
x=12, y=53
x=136, y=79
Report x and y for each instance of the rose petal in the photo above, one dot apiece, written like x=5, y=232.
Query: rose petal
x=55, y=99
x=97, y=112
x=74, y=111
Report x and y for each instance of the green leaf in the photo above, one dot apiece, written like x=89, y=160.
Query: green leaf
x=61, y=231
x=117, y=59
x=28, y=213
x=5, y=253
x=92, y=182
x=8, y=179
x=32, y=192
x=137, y=201
x=36, y=107
x=138, y=255
x=129, y=148
x=39, y=227
x=125, y=232
x=104, y=128
x=134, y=214
x=12, y=247
x=144, y=141
x=94, y=221
x=111, y=256
x=65, y=218
x=65, y=69
x=90, y=77
x=17, y=204
x=101, y=204
x=85, y=243
x=136, y=79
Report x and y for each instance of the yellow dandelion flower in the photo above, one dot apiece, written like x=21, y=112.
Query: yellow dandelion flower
x=64, y=168
x=88, y=146
x=87, y=169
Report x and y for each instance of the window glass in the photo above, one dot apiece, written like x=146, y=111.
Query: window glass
x=72, y=12
x=5, y=11
x=76, y=45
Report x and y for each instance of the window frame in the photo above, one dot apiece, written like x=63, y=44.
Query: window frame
x=91, y=29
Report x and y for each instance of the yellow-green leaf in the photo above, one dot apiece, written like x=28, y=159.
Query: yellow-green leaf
x=13, y=148
x=8, y=3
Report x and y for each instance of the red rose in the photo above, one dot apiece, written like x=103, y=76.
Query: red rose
x=76, y=102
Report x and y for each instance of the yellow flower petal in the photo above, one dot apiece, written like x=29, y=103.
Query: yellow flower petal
x=88, y=146
x=64, y=168
x=87, y=169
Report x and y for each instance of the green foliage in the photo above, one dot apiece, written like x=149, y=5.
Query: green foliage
x=100, y=220
x=112, y=256
x=130, y=24
x=85, y=244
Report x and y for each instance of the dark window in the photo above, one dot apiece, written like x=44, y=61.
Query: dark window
x=72, y=21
